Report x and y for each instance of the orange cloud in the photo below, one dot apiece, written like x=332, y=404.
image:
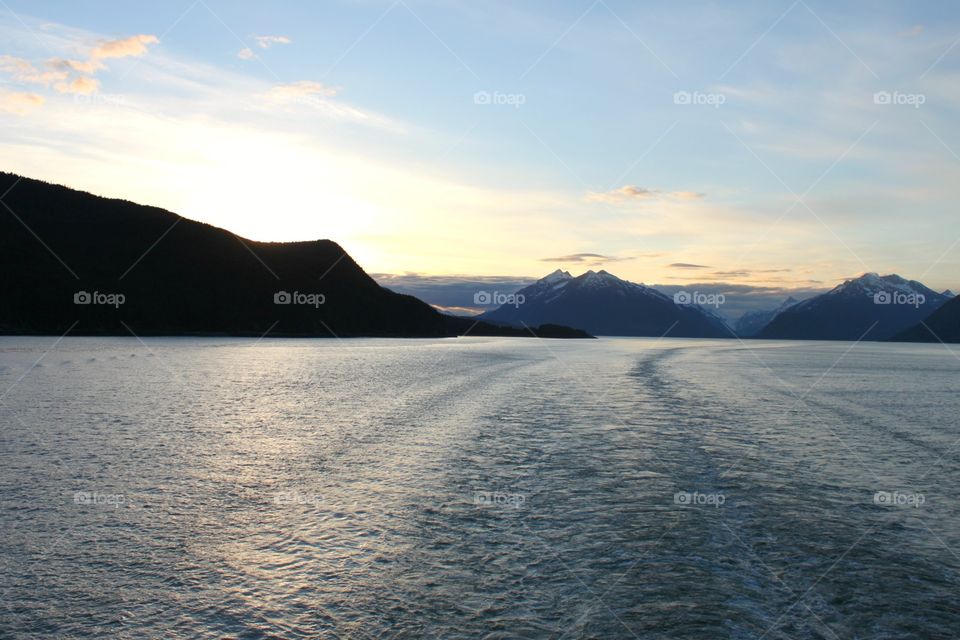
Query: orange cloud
x=632, y=192
x=82, y=85
x=19, y=103
x=23, y=71
x=80, y=66
x=124, y=47
x=59, y=71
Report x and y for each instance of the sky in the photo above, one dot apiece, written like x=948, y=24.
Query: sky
x=775, y=145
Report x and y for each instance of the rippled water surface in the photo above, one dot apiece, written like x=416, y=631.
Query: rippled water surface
x=478, y=488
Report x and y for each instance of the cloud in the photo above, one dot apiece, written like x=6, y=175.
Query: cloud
x=19, y=103
x=23, y=71
x=124, y=47
x=59, y=70
x=246, y=54
x=317, y=97
x=302, y=92
x=687, y=265
x=265, y=42
x=686, y=195
x=81, y=85
x=632, y=192
x=594, y=259
x=912, y=32
x=80, y=66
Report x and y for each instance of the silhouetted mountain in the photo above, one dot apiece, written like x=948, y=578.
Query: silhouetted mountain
x=752, y=322
x=603, y=304
x=112, y=267
x=870, y=307
x=943, y=325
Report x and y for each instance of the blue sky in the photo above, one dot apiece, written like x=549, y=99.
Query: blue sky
x=752, y=142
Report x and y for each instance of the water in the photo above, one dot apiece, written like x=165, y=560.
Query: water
x=478, y=488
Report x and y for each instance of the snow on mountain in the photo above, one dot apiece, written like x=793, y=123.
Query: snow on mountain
x=870, y=307
x=870, y=284
x=608, y=305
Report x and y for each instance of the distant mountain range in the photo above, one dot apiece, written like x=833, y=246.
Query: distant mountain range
x=870, y=307
x=603, y=304
x=112, y=267
x=752, y=322
x=943, y=325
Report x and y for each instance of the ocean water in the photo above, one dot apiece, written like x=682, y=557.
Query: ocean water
x=478, y=488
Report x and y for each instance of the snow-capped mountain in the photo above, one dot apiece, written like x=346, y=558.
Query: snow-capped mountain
x=870, y=307
x=752, y=322
x=603, y=304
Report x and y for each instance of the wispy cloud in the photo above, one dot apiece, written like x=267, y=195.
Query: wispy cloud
x=83, y=85
x=265, y=42
x=630, y=192
x=593, y=259
x=19, y=103
x=24, y=72
x=124, y=47
x=912, y=32
x=302, y=92
x=56, y=72
x=687, y=265
x=317, y=96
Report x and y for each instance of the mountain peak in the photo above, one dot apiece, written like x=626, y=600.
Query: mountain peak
x=871, y=283
x=870, y=306
x=600, y=276
x=607, y=304
x=557, y=276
